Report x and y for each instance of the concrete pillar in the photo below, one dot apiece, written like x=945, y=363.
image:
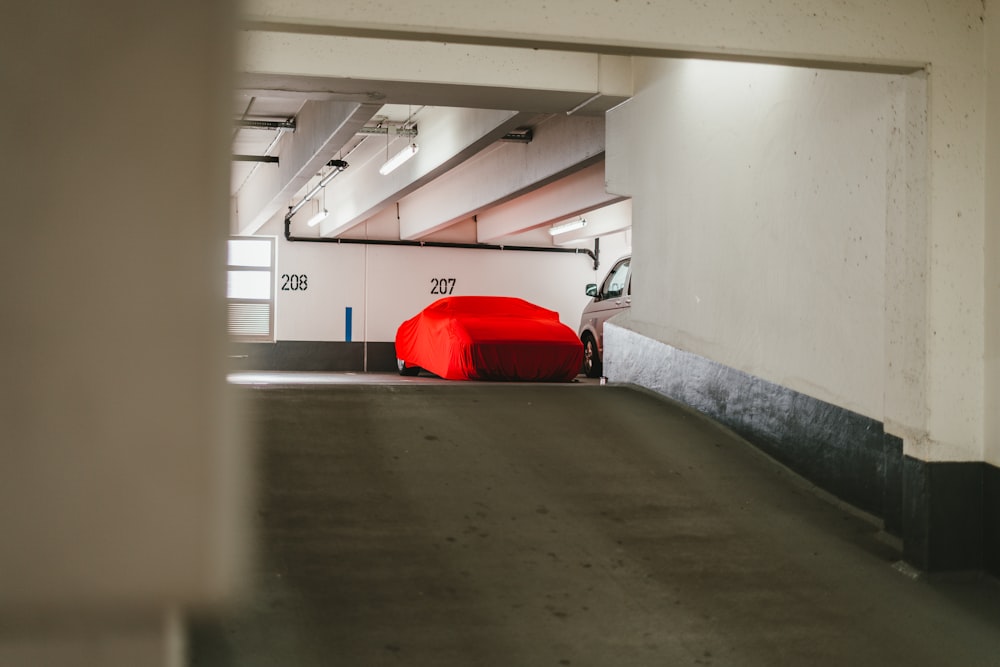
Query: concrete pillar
x=991, y=486
x=123, y=485
x=993, y=234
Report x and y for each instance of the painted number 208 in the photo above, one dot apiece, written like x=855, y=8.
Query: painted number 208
x=294, y=282
x=442, y=285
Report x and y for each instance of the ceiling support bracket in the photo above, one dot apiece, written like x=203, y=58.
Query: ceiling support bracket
x=522, y=135
x=389, y=129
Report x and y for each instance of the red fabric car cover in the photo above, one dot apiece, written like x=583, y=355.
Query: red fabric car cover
x=490, y=338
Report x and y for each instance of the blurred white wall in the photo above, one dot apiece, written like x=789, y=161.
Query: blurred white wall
x=124, y=476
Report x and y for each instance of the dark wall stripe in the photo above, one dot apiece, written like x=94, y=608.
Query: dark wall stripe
x=944, y=507
x=991, y=519
x=287, y=355
x=916, y=512
x=892, y=497
x=841, y=451
x=947, y=513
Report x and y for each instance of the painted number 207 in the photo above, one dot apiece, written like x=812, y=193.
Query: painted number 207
x=442, y=285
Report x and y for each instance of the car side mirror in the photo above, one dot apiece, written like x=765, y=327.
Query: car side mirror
x=591, y=289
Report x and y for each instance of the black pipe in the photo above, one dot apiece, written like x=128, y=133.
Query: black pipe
x=593, y=254
x=265, y=124
x=272, y=159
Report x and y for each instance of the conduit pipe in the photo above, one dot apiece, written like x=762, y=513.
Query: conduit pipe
x=279, y=125
x=266, y=159
x=593, y=254
x=338, y=166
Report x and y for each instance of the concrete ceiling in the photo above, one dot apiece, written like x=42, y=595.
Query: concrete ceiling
x=360, y=100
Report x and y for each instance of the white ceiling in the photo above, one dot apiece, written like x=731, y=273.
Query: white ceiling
x=461, y=103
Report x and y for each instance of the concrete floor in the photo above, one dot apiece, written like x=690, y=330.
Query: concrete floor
x=433, y=523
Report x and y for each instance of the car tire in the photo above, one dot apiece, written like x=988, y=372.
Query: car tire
x=408, y=371
x=592, y=366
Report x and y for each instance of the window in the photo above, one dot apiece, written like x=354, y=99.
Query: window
x=250, y=289
x=617, y=281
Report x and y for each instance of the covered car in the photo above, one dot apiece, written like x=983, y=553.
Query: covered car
x=489, y=338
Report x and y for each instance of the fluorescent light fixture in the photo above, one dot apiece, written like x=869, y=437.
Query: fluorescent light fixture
x=318, y=218
x=570, y=226
x=398, y=159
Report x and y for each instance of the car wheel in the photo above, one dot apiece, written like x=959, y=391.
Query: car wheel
x=406, y=370
x=591, y=357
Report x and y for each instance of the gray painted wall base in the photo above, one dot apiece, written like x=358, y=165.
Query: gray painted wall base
x=293, y=355
x=946, y=513
x=840, y=451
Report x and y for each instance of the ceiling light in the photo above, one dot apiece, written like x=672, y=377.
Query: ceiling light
x=322, y=213
x=398, y=159
x=570, y=226
x=318, y=218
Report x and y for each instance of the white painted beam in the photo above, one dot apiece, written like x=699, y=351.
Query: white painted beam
x=321, y=129
x=603, y=221
x=800, y=31
x=446, y=137
x=439, y=74
x=576, y=194
x=561, y=145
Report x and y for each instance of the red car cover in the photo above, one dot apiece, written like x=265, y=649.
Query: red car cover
x=490, y=338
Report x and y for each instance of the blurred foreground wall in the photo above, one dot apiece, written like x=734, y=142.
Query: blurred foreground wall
x=123, y=483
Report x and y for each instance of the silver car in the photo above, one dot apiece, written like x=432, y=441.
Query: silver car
x=612, y=297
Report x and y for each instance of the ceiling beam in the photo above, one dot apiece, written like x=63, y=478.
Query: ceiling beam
x=603, y=221
x=574, y=195
x=439, y=74
x=446, y=136
x=321, y=130
x=561, y=145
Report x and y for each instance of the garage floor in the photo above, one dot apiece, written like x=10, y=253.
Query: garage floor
x=433, y=523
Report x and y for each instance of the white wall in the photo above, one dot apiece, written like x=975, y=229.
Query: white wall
x=760, y=199
x=400, y=281
x=385, y=285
